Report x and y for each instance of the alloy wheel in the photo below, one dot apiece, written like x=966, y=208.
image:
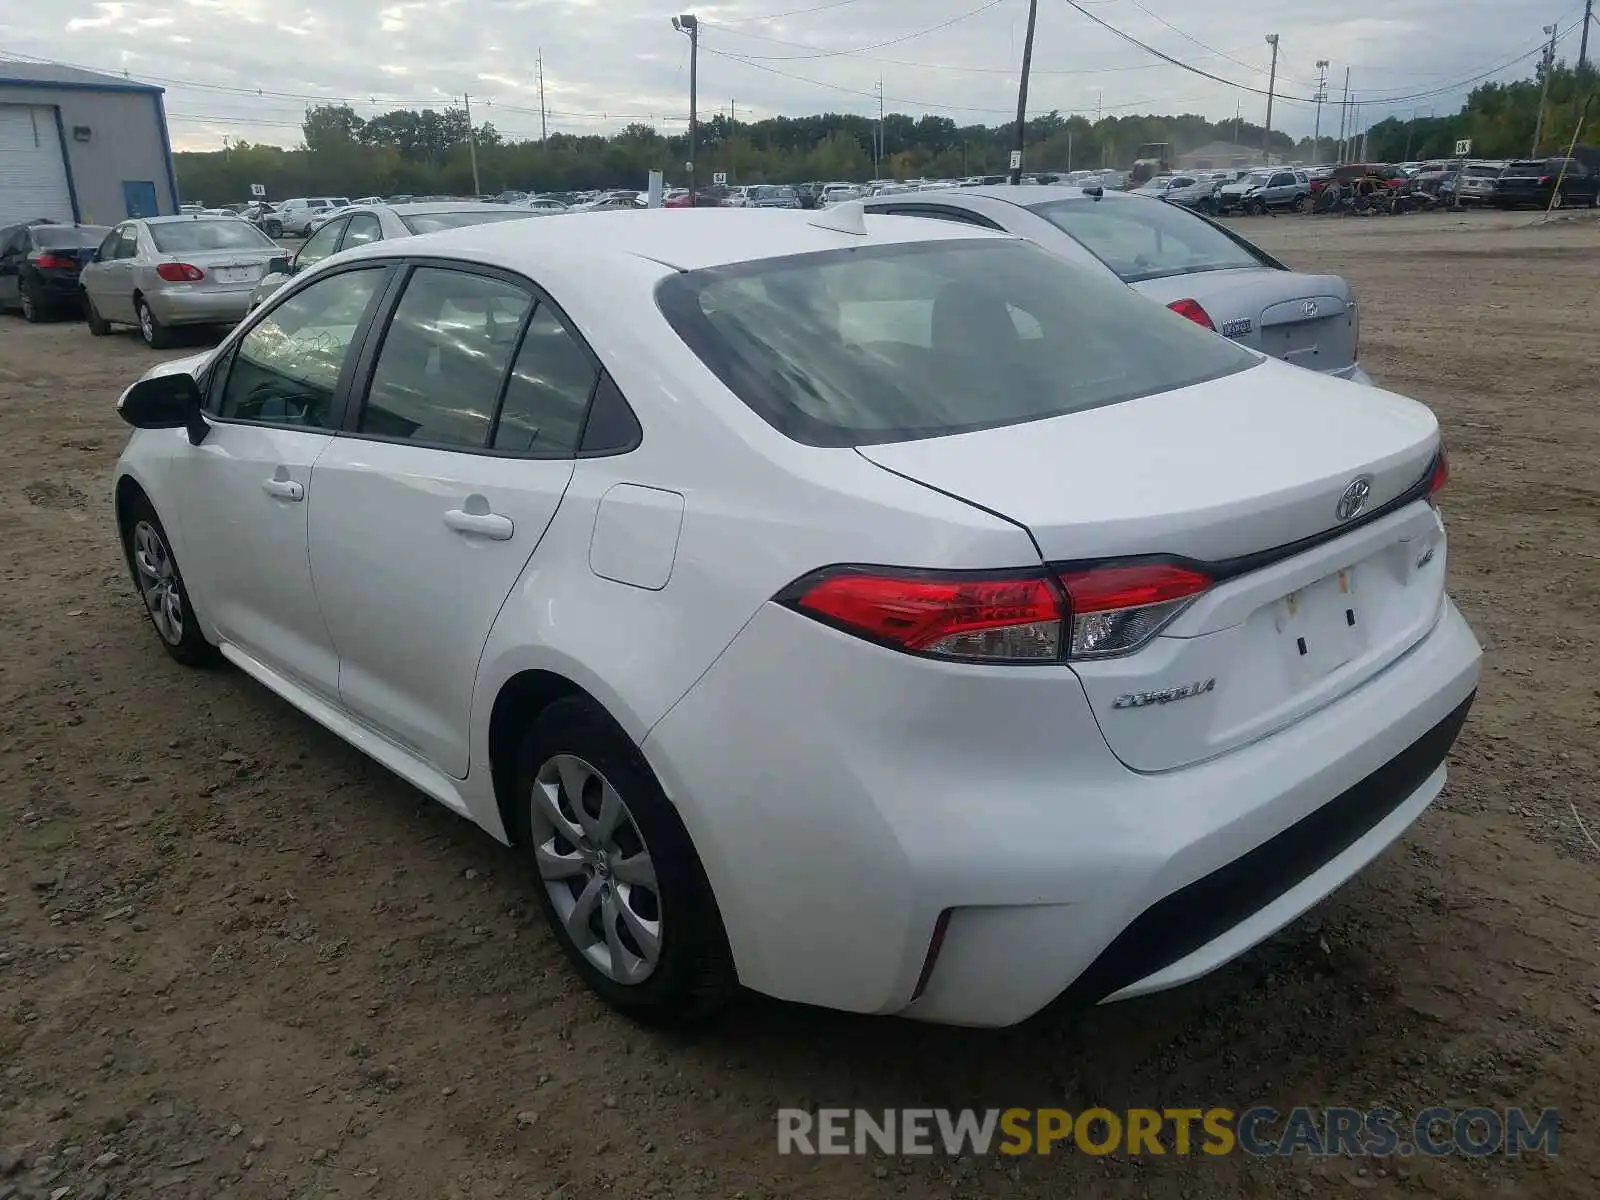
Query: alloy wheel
x=30, y=308
x=596, y=868
x=158, y=582
x=147, y=324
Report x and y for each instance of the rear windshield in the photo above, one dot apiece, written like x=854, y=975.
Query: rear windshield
x=1142, y=241
x=224, y=233
x=892, y=343
x=1526, y=167
x=62, y=237
x=433, y=222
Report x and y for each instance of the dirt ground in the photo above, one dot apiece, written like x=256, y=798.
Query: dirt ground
x=238, y=959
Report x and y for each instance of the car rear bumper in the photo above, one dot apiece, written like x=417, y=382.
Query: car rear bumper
x=842, y=797
x=177, y=306
x=56, y=290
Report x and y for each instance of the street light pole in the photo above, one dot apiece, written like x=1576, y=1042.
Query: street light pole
x=1322, y=94
x=1272, y=83
x=689, y=24
x=472, y=145
x=1022, y=93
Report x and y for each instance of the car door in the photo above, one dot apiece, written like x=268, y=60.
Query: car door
x=12, y=240
x=324, y=243
x=456, y=454
x=273, y=402
x=1280, y=190
x=111, y=284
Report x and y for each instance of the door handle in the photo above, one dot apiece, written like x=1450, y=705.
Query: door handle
x=284, y=489
x=485, y=524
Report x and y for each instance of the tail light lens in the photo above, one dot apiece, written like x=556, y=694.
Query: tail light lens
x=1440, y=474
x=1118, y=609
x=55, y=262
x=1014, y=618
x=1547, y=179
x=1192, y=310
x=179, y=272
x=947, y=615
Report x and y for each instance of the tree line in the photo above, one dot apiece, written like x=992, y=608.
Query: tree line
x=427, y=152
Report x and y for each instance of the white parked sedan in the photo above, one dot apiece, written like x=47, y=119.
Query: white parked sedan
x=347, y=228
x=878, y=613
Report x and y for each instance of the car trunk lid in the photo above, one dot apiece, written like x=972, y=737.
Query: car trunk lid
x=1243, y=478
x=225, y=270
x=1308, y=320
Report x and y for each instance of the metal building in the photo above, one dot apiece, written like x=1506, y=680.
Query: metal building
x=79, y=146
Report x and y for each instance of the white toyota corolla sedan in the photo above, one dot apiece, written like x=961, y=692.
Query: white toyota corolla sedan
x=872, y=612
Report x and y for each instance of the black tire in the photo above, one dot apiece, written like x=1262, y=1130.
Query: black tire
x=1302, y=203
x=693, y=976
x=273, y=229
x=189, y=646
x=98, y=325
x=33, y=309
x=156, y=335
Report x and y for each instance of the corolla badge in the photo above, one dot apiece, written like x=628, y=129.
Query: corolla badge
x=1143, y=699
x=1354, y=500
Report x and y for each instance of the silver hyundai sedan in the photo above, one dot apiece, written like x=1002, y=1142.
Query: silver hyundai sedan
x=1174, y=256
x=157, y=273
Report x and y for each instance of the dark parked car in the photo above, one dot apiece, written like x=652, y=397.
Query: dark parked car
x=1546, y=183
x=39, y=265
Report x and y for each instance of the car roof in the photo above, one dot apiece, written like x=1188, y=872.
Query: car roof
x=421, y=207
x=682, y=239
x=1023, y=196
x=177, y=218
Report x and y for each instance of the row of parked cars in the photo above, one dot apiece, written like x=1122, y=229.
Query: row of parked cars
x=1542, y=183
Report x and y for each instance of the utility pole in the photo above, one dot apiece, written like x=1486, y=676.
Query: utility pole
x=883, y=151
x=1544, y=92
x=1272, y=84
x=472, y=144
x=1022, y=94
x=1322, y=94
x=542, y=130
x=1238, y=112
x=1583, y=43
x=690, y=24
x=1344, y=115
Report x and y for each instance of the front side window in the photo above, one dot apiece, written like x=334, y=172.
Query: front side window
x=444, y=356
x=363, y=228
x=224, y=233
x=549, y=391
x=287, y=366
x=1146, y=241
x=319, y=245
x=891, y=343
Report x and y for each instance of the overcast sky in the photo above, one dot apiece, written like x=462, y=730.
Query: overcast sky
x=607, y=62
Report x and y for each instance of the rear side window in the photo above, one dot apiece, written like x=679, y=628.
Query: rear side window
x=891, y=343
x=444, y=354
x=549, y=391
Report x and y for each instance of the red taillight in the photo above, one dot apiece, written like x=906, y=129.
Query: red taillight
x=952, y=615
x=1547, y=179
x=1117, y=609
x=1192, y=310
x=1440, y=475
x=1003, y=617
x=179, y=272
x=55, y=262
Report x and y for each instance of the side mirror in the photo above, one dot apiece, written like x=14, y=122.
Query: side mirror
x=165, y=402
x=279, y=265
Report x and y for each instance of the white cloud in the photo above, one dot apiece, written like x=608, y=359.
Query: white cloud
x=610, y=62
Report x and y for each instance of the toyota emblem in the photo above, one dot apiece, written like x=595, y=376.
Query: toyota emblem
x=1354, y=500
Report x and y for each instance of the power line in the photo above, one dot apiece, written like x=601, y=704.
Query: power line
x=793, y=12
x=924, y=104
x=895, y=41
